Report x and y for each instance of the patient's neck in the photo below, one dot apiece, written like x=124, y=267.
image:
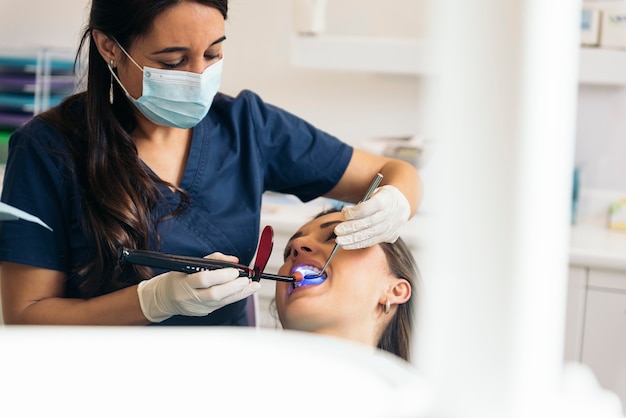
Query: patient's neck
x=367, y=334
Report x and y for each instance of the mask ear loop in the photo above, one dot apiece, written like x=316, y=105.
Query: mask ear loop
x=113, y=75
x=128, y=55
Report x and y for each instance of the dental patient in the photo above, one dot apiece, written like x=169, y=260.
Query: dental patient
x=364, y=295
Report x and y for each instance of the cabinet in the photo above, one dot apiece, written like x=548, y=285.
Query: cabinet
x=575, y=316
x=604, y=332
x=602, y=66
x=596, y=325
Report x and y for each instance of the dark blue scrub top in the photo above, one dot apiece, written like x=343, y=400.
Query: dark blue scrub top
x=243, y=148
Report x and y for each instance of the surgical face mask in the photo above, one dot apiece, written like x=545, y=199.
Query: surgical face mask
x=175, y=98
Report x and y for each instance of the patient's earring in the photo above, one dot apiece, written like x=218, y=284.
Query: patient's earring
x=387, y=306
x=111, y=86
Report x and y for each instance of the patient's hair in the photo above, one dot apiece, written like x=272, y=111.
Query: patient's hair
x=396, y=337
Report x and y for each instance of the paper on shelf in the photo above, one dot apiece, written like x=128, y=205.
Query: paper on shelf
x=10, y=213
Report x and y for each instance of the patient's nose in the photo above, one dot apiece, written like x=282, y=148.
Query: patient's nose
x=303, y=245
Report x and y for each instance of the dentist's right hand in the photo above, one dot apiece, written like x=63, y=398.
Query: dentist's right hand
x=197, y=294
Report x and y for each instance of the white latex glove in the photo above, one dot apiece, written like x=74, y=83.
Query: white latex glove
x=378, y=219
x=196, y=294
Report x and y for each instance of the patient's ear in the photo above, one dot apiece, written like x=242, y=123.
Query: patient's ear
x=398, y=292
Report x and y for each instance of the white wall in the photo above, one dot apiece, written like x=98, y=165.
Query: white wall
x=39, y=22
x=351, y=106
x=601, y=137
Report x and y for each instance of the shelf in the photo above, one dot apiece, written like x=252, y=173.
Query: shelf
x=362, y=54
x=602, y=66
x=29, y=63
x=31, y=81
x=413, y=57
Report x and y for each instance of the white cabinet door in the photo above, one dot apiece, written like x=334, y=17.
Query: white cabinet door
x=604, y=334
x=576, y=292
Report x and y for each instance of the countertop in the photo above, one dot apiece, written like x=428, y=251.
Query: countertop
x=597, y=246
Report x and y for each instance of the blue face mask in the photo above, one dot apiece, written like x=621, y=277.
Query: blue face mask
x=175, y=98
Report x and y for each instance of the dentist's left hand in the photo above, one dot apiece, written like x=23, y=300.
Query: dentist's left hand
x=378, y=219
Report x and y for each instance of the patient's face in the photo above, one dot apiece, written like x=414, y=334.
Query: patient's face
x=351, y=294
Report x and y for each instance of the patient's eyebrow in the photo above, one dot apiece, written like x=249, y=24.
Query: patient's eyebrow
x=330, y=223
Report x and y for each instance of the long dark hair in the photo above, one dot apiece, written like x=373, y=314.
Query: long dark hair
x=118, y=191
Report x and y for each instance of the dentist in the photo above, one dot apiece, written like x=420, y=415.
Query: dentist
x=152, y=156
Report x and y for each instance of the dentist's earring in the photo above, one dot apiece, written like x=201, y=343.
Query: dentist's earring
x=387, y=306
x=111, y=85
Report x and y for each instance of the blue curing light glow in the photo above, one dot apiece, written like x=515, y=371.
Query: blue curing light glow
x=310, y=275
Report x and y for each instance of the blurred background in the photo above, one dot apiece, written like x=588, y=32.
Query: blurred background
x=362, y=71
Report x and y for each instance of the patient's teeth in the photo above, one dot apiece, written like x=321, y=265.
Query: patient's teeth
x=309, y=276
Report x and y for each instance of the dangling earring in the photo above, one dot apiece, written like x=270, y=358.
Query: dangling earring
x=387, y=306
x=111, y=86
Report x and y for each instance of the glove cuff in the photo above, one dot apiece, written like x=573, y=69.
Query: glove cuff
x=398, y=200
x=402, y=201
x=146, y=291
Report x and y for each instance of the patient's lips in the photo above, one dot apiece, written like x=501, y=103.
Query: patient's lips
x=307, y=276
